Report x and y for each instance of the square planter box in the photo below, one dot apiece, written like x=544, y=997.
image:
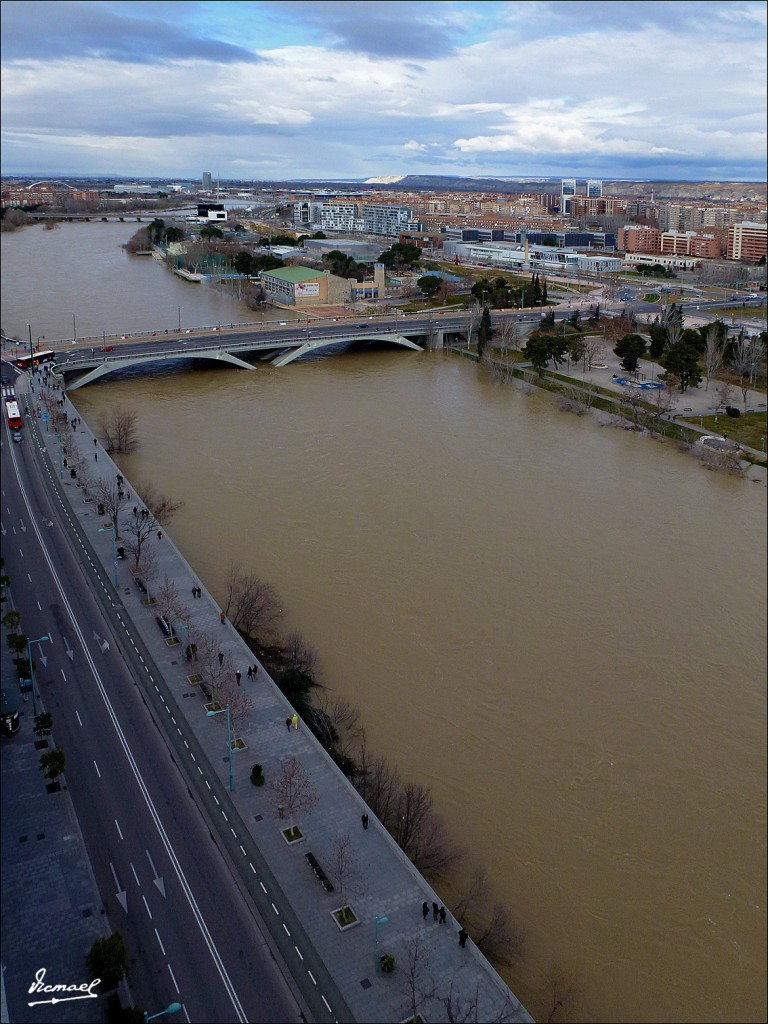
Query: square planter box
x=345, y=918
x=238, y=744
x=292, y=834
x=214, y=706
x=195, y=679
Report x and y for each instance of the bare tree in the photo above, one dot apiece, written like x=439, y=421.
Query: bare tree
x=113, y=500
x=714, y=349
x=472, y=322
x=378, y=784
x=474, y=893
x=118, y=430
x=252, y=605
x=593, y=349
x=141, y=525
x=239, y=699
x=509, y=336
x=577, y=398
x=214, y=670
x=160, y=505
x=498, y=939
x=419, y=982
x=561, y=990
x=169, y=603
x=344, y=868
x=299, y=654
x=293, y=790
x=724, y=391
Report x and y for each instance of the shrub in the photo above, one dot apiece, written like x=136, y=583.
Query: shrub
x=733, y=412
x=257, y=775
x=387, y=963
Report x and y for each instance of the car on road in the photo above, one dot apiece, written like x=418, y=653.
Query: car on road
x=17, y=436
x=107, y=348
x=5, y=380
x=362, y=325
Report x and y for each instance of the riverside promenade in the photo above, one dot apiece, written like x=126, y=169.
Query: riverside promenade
x=435, y=978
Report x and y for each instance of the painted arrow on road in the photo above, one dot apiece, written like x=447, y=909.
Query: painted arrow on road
x=68, y=649
x=42, y=656
x=158, y=880
x=122, y=897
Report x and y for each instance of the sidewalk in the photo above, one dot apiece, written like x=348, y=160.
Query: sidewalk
x=52, y=911
x=389, y=893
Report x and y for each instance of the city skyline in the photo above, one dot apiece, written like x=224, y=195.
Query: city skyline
x=334, y=90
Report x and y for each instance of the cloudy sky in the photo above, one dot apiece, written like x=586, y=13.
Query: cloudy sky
x=353, y=89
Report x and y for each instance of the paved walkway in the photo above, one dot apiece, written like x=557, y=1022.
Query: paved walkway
x=52, y=910
x=388, y=888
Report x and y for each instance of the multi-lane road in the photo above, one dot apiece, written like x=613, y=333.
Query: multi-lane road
x=191, y=928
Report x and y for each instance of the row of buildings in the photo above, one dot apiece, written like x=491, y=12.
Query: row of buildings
x=743, y=241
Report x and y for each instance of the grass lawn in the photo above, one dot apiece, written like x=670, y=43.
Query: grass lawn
x=651, y=297
x=749, y=429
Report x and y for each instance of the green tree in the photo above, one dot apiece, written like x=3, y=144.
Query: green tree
x=173, y=234
x=43, y=724
x=658, y=335
x=429, y=284
x=157, y=230
x=12, y=620
x=108, y=959
x=52, y=764
x=319, y=234
x=17, y=642
x=485, y=332
x=537, y=351
x=211, y=231
x=682, y=361
x=629, y=349
x=242, y=262
x=401, y=254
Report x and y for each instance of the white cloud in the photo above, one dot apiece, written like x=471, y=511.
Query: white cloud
x=412, y=144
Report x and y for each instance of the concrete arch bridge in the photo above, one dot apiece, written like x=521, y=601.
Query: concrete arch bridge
x=244, y=350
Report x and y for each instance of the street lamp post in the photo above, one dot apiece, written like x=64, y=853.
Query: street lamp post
x=31, y=669
x=376, y=922
x=179, y=312
x=103, y=529
x=31, y=353
x=211, y=714
x=171, y=1008
x=74, y=330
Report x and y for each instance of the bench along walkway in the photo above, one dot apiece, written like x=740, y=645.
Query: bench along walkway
x=389, y=891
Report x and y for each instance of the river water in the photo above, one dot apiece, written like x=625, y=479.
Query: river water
x=558, y=626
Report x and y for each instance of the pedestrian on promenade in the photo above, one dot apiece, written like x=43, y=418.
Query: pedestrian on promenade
x=194, y=591
x=295, y=721
x=249, y=673
x=425, y=910
x=255, y=671
x=221, y=658
x=442, y=915
x=238, y=676
x=435, y=911
x=463, y=938
x=288, y=724
x=222, y=618
x=95, y=456
x=364, y=820
x=95, y=441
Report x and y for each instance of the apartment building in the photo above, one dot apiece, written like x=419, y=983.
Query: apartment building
x=747, y=241
x=639, y=238
x=388, y=219
x=340, y=216
x=690, y=243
